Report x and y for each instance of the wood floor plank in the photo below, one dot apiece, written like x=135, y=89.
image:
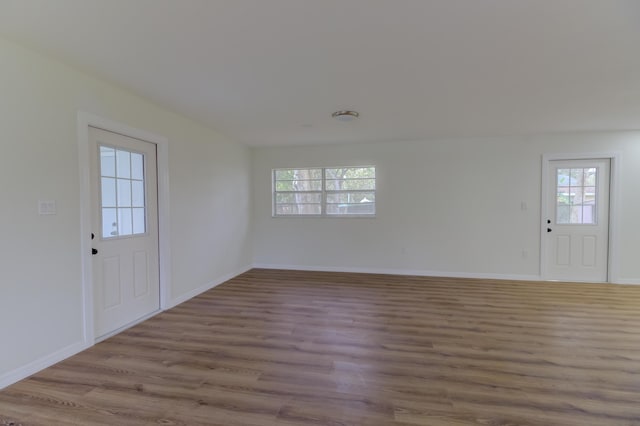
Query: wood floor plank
x=283, y=348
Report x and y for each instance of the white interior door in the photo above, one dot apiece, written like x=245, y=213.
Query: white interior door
x=126, y=284
x=577, y=223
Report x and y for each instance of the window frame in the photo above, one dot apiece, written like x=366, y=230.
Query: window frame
x=323, y=193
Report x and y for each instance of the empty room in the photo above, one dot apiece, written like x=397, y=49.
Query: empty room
x=335, y=212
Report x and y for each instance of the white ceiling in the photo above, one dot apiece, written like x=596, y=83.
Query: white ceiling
x=271, y=72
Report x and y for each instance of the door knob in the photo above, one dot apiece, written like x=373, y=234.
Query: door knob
x=548, y=229
x=94, y=251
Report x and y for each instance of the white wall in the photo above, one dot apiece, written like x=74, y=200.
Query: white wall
x=40, y=268
x=443, y=207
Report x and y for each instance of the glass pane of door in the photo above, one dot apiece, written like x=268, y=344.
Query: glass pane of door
x=122, y=187
x=576, y=196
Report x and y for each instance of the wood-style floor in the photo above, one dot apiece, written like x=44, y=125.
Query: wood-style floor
x=304, y=348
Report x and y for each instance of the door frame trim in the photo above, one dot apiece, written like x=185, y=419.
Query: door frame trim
x=614, y=172
x=86, y=120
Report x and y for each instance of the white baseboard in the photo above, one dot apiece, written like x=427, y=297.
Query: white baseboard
x=423, y=273
x=40, y=364
x=208, y=286
x=392, y=271
x=627, y=281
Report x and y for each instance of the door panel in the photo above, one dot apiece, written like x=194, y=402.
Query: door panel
x=125, y=224
x=578, y=220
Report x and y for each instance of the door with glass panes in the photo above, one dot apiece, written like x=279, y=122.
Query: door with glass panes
x=577, y=222
x=126, y=285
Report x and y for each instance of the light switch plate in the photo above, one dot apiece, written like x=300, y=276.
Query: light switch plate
x=46, y=207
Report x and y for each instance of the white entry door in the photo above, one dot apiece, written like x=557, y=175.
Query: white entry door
x=126, y=284
x=577, y=222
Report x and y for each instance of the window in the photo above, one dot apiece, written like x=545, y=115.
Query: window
x=334, y=191
x=350, y=191
x=298, y=192
x=122, y=192
x=576, y=196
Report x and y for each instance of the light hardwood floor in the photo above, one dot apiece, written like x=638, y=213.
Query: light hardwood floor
x=306, y=348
